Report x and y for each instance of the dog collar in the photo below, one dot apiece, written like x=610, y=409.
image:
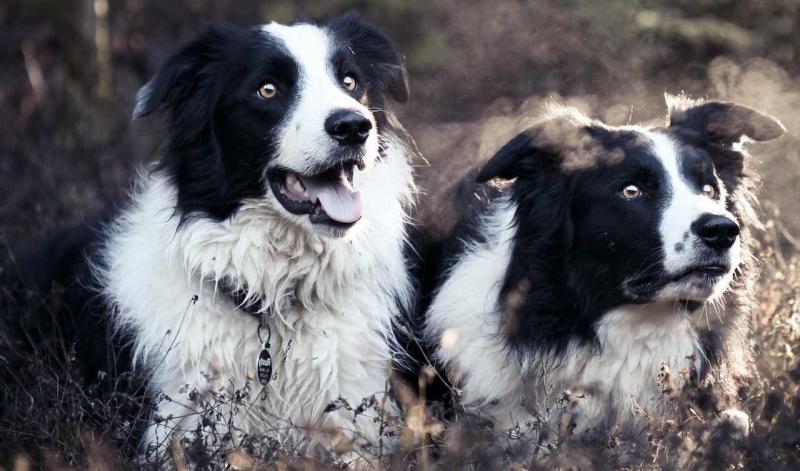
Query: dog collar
x=255, y=308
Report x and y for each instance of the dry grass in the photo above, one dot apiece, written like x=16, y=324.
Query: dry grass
x=59, y=421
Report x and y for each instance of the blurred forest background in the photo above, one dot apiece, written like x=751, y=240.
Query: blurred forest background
x=479, y=70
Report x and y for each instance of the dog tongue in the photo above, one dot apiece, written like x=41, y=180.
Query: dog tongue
x=337, y=197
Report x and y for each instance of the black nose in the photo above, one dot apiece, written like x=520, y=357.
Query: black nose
x=718, y=232
x=348, y=127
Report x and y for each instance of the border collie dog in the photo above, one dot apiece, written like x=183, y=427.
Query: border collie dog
x=616, y=256
x=275, y=222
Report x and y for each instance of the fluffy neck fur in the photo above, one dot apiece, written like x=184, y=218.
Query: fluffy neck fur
x=271, y=260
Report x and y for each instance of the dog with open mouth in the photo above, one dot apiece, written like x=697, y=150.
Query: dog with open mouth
x=264, y=253
x=613, y=259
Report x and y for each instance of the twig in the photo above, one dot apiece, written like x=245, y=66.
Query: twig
x=178, y=455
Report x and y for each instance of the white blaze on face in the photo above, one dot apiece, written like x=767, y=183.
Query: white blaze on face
x=304, y=145
x=682, y=247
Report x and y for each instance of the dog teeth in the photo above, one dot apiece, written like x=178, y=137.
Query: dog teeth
x=346, y=175
x=295, y=186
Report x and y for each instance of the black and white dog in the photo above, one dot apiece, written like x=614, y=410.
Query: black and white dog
x=283, y=194
x=616, y=254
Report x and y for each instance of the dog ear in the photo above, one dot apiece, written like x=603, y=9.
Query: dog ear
x=504, y=163
x=717, y=121
x=183, y=87
x=375, y=53
x=546, y=146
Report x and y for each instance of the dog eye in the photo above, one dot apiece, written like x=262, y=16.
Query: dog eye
x=709, y=191
x=268, y=91
x=349, y=83
x=631, y=191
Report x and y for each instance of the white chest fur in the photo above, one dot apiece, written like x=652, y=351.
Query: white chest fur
x=333, y=303
x=619, y=378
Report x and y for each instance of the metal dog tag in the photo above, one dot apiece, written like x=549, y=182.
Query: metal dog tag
x=264, y=365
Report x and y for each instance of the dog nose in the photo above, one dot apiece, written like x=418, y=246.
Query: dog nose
x=717, y=232
x=348, y=127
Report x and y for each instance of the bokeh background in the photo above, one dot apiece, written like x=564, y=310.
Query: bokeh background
x=71, y=68
x=480, y=70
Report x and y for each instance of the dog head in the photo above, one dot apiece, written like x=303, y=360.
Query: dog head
x=634, y=215
x=282, y=113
